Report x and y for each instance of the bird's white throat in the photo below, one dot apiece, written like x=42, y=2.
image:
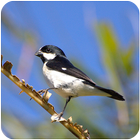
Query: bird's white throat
x=49, y=56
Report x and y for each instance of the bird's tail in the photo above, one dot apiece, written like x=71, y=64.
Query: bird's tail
x=113, y=94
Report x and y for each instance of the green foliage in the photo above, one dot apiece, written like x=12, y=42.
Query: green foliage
x=119, y=64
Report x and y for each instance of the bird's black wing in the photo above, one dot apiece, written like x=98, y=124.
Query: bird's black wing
x=63, y=65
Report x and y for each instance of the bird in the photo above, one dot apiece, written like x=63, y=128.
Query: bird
x=66, y=80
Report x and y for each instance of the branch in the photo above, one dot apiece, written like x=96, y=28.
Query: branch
x=75, y=129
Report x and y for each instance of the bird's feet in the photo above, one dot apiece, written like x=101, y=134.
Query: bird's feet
x=41, y=92
x=60, y=115
x=57, y=117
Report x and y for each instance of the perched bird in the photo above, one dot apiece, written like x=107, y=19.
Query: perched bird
x=67, y=80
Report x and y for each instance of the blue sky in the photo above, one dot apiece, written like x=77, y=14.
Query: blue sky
x=68, y=25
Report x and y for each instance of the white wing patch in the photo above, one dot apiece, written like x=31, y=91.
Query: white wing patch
x=64, y=68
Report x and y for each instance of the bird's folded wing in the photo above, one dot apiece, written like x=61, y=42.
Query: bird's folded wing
x=65, y=66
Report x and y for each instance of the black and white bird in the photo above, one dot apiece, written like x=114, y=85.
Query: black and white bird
x=67, y=80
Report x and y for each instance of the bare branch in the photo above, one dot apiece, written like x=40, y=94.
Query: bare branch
x=75, y=129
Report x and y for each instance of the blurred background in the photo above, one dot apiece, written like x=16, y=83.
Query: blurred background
x=100, y=38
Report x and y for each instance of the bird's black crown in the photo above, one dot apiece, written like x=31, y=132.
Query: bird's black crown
x=52, y=49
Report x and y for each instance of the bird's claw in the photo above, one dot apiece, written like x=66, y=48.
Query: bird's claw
x=41, y=92
x=57, y=117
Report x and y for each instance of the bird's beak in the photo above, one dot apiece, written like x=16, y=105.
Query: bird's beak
x=38, y=53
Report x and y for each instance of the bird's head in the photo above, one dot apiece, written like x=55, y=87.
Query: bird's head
x=49, y=52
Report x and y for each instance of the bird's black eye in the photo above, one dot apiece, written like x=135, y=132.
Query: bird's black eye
x=48, y=50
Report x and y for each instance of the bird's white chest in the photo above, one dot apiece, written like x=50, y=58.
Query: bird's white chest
x=48, y=76
x=56, y=79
